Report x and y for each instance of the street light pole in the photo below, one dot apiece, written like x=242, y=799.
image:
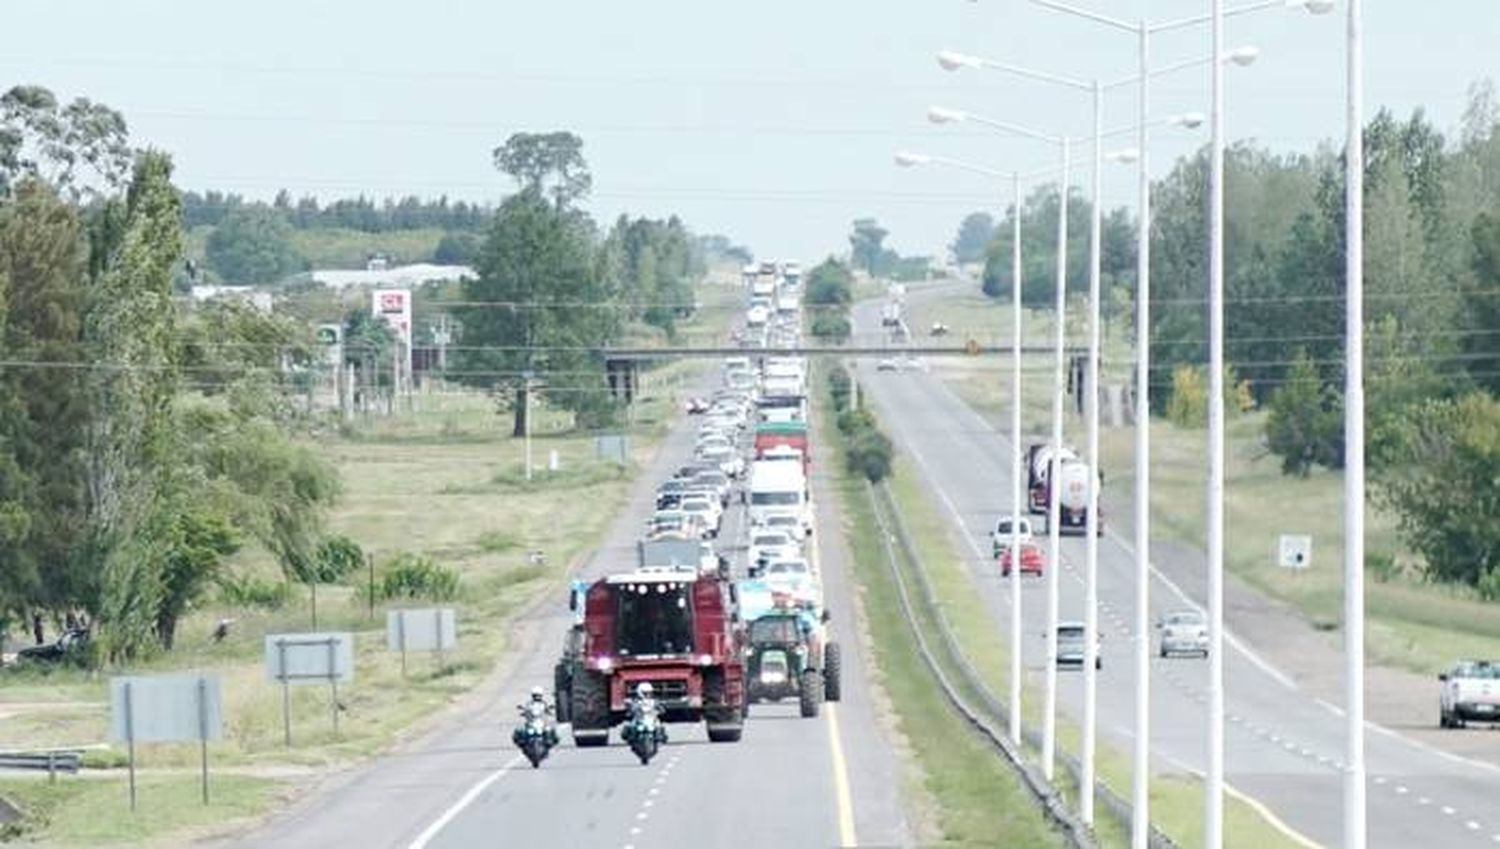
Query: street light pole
x=1140, y=807
x=1354, y=444
x=1213, y=815
x=1054, y=533
x=1091, y=524
x=1015, y=468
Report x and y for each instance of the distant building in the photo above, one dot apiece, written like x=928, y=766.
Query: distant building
x=377, y=262
x=400, y=277
x=250, y=295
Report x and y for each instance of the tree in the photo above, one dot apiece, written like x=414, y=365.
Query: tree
x=128, y=329
x=1442, y=489
x=975, y=233
x=535, y=160
x=456, y=249
x=42, y=410
x=830, y=283
x=1305, y=426
x=537, y=305
x=1482, y=302
x=253, y=244
x=191, y=556
x=41, y=138
x=866, y=246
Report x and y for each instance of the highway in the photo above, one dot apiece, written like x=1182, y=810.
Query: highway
x=829, y=781
x=1283, y=746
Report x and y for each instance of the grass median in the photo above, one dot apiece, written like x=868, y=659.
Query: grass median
x=978, y=800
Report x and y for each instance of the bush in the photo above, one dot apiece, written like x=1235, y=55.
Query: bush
x=869, y=453
x=831, y=327
x=1306, y=424
x=250, y=591
x=839, y=387
x=1188, y=406
x=412, y=576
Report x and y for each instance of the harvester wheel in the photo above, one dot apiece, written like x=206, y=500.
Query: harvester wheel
x=833, y=663
x=589, y=706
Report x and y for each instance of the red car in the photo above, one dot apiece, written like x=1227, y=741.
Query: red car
x=1032, y=559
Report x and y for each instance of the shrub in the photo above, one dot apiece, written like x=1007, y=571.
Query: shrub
x=250, y=591
x=1188, y=406
x=411, y=576
x=831, y=327
x=839, y=386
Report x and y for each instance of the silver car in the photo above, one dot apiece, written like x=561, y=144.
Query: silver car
x=1183, y=632
x=1070, y=645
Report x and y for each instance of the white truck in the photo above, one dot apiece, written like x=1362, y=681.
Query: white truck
x=1470, y=693
x=1073, y=497
x=779, y=488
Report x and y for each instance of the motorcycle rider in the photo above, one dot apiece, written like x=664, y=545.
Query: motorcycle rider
x=644, y=705
x=537, y=709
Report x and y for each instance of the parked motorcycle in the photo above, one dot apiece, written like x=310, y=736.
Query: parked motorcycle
x=536, y=735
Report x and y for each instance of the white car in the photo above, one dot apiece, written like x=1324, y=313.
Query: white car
x=1070, y=645
x=788, y=523
x=707, y=509
x=728, y=460
x=1471, y=693
x=769, y=546
x=1183, y=632
x=887, y=364
x=1000, y=536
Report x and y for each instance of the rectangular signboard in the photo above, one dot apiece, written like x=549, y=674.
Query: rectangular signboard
x=430, y=629
x=309, y=658
x=1295, y=551
x=165, y=709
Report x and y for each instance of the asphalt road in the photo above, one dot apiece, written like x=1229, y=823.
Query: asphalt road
x=1283, y=746
x=829, y=781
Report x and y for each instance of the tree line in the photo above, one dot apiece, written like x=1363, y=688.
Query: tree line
x=1432, y=310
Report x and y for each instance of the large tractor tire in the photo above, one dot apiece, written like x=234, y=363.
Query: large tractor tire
x=562, y=689
x=811, y=696
x=589, y=708
x=723, y=724
x=833, y=668
x=725, y=733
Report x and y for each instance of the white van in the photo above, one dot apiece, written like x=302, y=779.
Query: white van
x=779, y=488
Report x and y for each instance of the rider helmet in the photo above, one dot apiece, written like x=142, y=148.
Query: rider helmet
x=644, y=689
x=537, y=694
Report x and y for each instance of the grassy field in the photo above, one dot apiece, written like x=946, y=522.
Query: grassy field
x=96, y=813
x=444, y=482
x=1411, y=624
x=977, y=800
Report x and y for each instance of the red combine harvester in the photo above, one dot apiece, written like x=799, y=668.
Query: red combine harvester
x=671, y=627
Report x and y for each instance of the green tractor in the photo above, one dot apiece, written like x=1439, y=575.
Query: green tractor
x=787, y=655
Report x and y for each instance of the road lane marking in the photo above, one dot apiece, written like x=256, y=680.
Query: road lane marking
x=1448, y=809
x=1276, y=822
x=464, y=801
x=840, y=777
x=1471, y=825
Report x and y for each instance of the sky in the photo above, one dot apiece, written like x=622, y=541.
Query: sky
x=771, y=122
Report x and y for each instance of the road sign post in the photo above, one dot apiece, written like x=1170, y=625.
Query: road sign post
x=432, y=629
x=326, y=658
x=166, y=709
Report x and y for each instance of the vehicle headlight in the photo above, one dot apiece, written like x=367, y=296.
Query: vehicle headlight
x=604, y=664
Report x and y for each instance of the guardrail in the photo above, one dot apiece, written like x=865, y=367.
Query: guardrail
x=888, y=518
x=52, y=761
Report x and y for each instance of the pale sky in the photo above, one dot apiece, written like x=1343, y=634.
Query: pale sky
x=773, y=122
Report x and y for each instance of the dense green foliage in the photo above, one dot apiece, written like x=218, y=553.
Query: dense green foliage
x=253, y=244
x=975, y=233
x=141, y=439
x=830, y=291
x=652, y=265
x=868, y=253
x=1443, y=488
x=361, y=213
x=538, y=305
x=867, y=450
x=1039, y=218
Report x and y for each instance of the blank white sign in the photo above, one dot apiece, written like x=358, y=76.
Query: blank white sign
x=430, y=629
x=165, y=709
x=309, y=658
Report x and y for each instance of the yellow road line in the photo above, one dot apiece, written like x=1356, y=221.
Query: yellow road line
x=840, y=777
x=1276, y=822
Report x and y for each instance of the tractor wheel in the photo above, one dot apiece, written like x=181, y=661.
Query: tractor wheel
x=810, y=695
x=833, y=663
x=589, y=706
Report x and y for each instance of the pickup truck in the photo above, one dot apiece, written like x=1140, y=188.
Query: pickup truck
x=1470, y=693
